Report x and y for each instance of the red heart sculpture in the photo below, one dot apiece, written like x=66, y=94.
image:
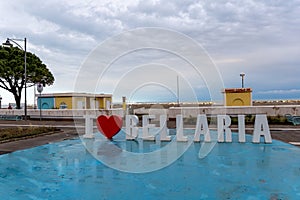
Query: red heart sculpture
x=109, y=126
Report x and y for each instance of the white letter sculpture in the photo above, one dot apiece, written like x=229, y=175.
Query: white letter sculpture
x=131, y=129
x=224, y=122
x=261, y=128
x=202, y=128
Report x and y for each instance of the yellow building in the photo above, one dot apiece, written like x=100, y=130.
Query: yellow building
x=237, y=97
x=74, y=101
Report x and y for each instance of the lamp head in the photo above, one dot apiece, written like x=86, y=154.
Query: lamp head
x=7, y=43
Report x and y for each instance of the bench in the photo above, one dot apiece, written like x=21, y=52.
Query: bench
x=11, y=117
x=293, y=119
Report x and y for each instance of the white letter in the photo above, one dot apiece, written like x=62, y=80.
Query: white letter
x=131, y=129
x=88, y=127
x=146, y=126
x=179, y=129
x=224, y=122
x=241, y=122
x=163, y=129
x=261, y=128
x=202, y=128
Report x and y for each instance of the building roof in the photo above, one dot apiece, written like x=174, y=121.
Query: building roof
x=75, y=94
x=237, y=90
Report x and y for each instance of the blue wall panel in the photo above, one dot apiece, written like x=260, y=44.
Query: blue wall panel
x=45, y=102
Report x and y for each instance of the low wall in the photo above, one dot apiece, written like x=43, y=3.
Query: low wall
x=268, y=110
x=230, y=110
x=171, y=112
x=59, y=114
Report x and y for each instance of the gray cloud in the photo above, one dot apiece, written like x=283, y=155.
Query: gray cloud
x=258, y=37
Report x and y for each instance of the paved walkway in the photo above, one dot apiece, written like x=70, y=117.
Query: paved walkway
x=36, y=141
x=67, y=128
x=289, y=134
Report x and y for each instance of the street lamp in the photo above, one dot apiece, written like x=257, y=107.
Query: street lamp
x=40, y=90
x=7, y=43
x=242, y=74
x=0, y=101
x=178, y=91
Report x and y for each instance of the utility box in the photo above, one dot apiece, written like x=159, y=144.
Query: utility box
x=237, y=96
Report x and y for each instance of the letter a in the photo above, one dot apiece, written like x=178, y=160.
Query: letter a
x=261, y=128
x=202, y=128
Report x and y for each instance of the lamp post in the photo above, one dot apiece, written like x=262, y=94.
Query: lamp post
x=178, y=91
x=7, y=43
x=242, y=74
x=0, y=101
x=40, y=90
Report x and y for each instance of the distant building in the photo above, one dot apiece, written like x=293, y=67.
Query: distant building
x=237, y=97
x=74, y=101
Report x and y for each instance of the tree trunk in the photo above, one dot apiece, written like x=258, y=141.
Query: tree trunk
x=18, y=101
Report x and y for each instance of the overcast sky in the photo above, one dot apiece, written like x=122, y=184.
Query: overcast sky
x=260, y=38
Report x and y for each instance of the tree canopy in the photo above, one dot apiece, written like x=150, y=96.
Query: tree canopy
x=12, y=72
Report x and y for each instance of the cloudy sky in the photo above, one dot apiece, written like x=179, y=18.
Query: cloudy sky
x=260, y=38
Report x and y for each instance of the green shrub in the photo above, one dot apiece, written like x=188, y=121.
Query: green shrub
x=277, y=120
x=21, y=132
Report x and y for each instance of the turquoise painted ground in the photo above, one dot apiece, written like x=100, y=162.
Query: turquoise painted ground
x=65, y=170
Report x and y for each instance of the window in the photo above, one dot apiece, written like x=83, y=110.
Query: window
x=63, y=105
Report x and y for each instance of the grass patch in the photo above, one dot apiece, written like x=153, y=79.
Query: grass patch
x=8, y=134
